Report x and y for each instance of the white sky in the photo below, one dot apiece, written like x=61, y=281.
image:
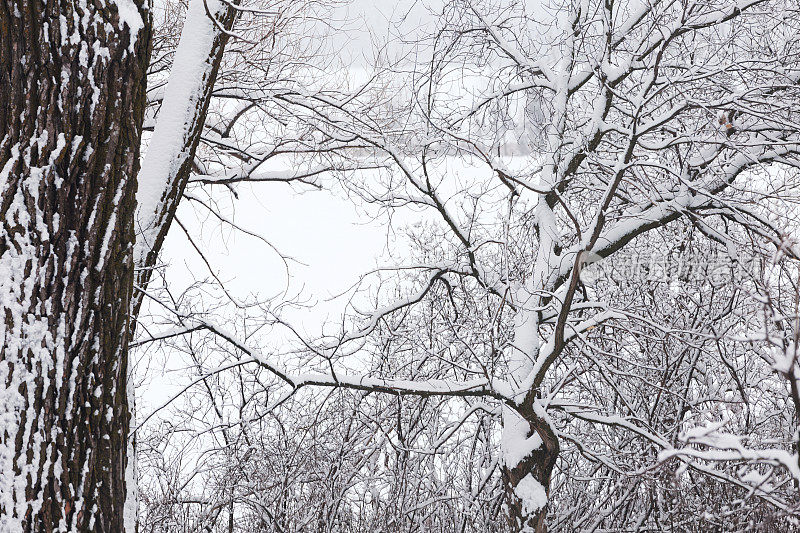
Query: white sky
x=324, y=231
x=368, y=22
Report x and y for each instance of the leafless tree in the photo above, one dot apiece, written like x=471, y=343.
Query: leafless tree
x=633, y=117
x=496, y=383
x=73, y=99
x=75, y=107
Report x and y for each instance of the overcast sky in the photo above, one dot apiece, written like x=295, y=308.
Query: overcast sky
x=332, y=241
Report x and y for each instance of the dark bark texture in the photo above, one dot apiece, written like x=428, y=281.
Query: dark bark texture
x=539, y=464
x=72, y=94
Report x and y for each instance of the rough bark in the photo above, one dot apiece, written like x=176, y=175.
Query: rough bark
x=72, y=91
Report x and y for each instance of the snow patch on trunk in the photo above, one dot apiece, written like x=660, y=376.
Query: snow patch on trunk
x=515, y=443
x=129, y=15
x=532, y=495
x=167, y=148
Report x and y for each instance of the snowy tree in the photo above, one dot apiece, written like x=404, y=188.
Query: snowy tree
x=73, y=95
x=586, y=126
x=541, y=138
x=497, y=382
x=72, y=279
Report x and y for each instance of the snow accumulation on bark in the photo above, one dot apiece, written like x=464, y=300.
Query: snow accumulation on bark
x=27, y=337
x=515, y=442
x=168, y=147
x=72, y=90
x=532, y=494
x=130, y=16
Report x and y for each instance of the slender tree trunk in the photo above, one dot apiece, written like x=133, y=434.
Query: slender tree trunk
x=526, y=482
x=72, y=91
x=168, y=161
x=529, y=446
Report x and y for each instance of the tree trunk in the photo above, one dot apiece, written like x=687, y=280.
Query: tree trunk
x=168, y=162
x=526, y=478
x=72, y=91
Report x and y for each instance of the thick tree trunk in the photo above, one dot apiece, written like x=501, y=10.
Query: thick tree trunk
x=527, y=470
x=72, y=91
